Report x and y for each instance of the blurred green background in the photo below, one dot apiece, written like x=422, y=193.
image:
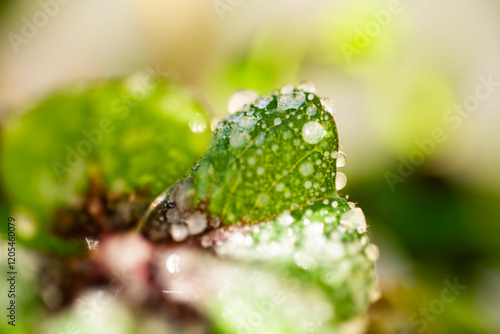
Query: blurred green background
x=398, y=71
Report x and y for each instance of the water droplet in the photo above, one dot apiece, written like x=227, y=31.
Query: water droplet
x=308, y=184
x=328, y=104
x=291, y=101
x=311, y=110
x=306, y=168
x=235, y=118
x=179, y=232
x=196, y=222
x=205, y=242
x=310, y=97
x=251, y=161
x=259, y=141
x=335, y=204
x=239, y=139
x=214, y=124
x=91, y=243
x=374, y=294
x=263, y=101
x=306, y=86
x=239, y=99
x=247, y=122
x=286, y=89
x=335, y=250
x=277, y=121
x=354, y=220
x=313, y=132
x=198, y=124
x=314, y=230
x=214, y=221
x=280, y=187
x=262, y=199
x=303, y=260
x=372, y=252
x=285, y=219
x=173, y=216
x=172, y=263
x=341, y=159
x=340, y=181
x=260, y=170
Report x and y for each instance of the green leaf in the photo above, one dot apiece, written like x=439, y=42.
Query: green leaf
x=324, y=245
x=277, y=154
x=269, y=178
x=135, y=135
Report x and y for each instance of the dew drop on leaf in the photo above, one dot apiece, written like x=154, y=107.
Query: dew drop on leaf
x=196, y=222
x=313, y=132
x=247, y=122
x=291, y=101
x=179, y=232
x=306, y=168
x=311, y=110
x=328, y=104
x=263, y=101
x=239, y=99
x=286, y=89
x=214, y=124
x=285, y=218
x=372, y=252
x=239, y=139
x=354, y=220
x=341, y=159
x=306, y=86
x=340, y=181
x=259, y=141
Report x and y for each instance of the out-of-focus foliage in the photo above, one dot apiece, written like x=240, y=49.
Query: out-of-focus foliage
x=137, y=135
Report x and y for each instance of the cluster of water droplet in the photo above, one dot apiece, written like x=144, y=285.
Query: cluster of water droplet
x=272, y=153
x=172, y=217
x=284, y=144
x=327, y=238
